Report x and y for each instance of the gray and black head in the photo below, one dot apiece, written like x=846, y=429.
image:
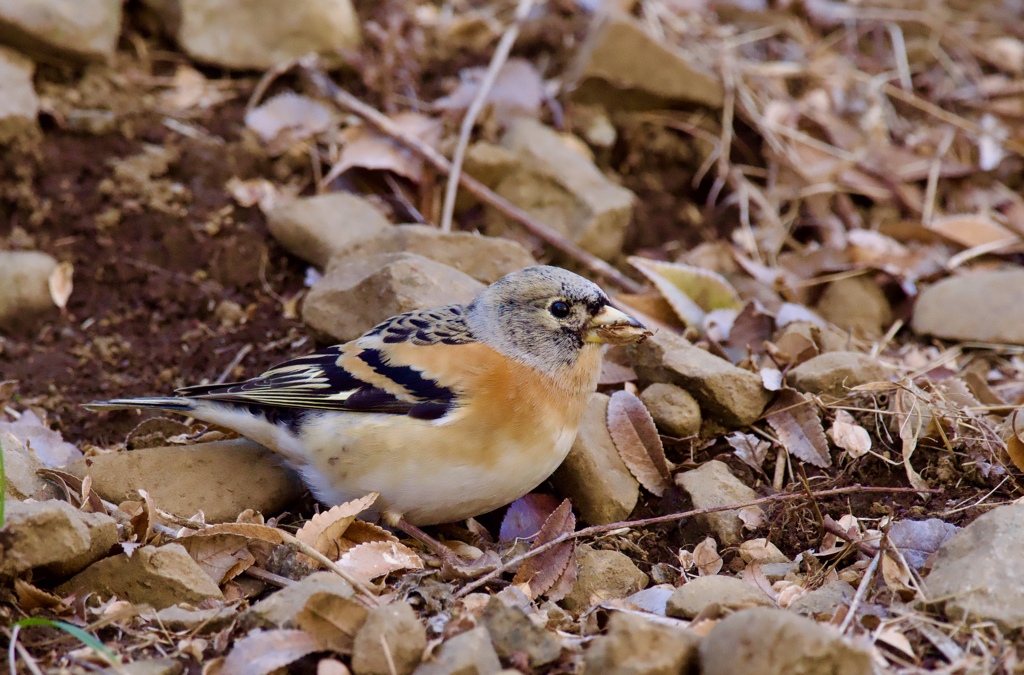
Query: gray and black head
x=546, y=316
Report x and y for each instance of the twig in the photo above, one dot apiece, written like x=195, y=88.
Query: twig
x=862, y=590
x=469, y=120
x=672, y=517
x=379, y=121
x=234, y=362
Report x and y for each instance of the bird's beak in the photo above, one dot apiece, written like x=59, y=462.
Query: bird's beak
x=610, y=326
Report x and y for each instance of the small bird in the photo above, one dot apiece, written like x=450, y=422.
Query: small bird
x=447, y=412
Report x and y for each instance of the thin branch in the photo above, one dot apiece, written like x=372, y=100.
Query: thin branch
x=469, y=120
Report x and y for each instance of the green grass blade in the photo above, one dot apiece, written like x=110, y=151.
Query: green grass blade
x=87, y=639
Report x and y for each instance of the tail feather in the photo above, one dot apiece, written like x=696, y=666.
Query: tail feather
x=155, y=402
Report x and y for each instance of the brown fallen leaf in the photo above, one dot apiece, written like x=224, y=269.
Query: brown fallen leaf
x=526, y=516
x=795, y=421
x=849, y=435
x=287, y=119
x=517, y=91
x=540, y=573
x=637, y=440
x=973, y=229
x=1015, y=442
x=374, y=559
x=61, y=283
x=262, y=652
x=365, y=148
x=692, y=291
x=751, y=449
x=707, y=558
x=222, y=556
x=333, y=620
x=325, y=530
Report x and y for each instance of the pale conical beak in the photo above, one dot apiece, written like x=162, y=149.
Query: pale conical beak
x=610, y=326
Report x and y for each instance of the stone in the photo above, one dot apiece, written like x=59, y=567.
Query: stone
x=357, y=294
x=221, y=478
x=636, y=645
x=824, y=602
x=562, y=188
x=593, y=475
x=512, y=633
x=52, y=536
x=319, y=228
x=728, y=593
x=192, y=620
x=149, y=667
x=621, y=65
x=835, y=373
x=974, y=574
x=602, y=575
x=856, y=304
x=486, y=259
x=158, y=577
x=242, y=34
x=278, y=610
x=396, y=628
x=777, y=642
x=712, y=485
x=81, y=29
x=732, y=396
x=24, y=289
x=19, y=105
x=469, y=653
x=20, y=466
x=987, y=307
x=674, y=410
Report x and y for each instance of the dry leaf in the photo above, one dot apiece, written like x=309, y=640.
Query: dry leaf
x=365, y=148
x=970, y=230
x=517, y=91
x=263, y=652
x=30, y=597
x=564, y=584
x=142, y=522
x=706, y=558
x=849, y=435
x=325, y=530
x=752, y=517
x=795, y=420
x=637, y=440
x=541, y=572
x=374, y=559
x=222, y=556
x=61, y=283
x=287, y=119
x=1015, y=443
x=911, y=420
x=333, y=620
x=526, y=516
x=259, y=192
x=48, y=445
x=692, y=291
x=332, y=667
x=751, y=449
x=917, y=540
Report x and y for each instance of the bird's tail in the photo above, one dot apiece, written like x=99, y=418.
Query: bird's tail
x=175, y=403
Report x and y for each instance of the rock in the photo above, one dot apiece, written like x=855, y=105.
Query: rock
x=468, y=653
x=241, y=34
x=777, y=642
x=619, y=63
x=974, y=571
x=856, y=304
x=24, y=289
x=486, y=259
x=221, y=479
x=319, y=228
x=835, y=373
x=562, y=188
x=732, y=396
x=20, y=466
x=512, y=633
x=394, y=627
x=19, y=105
x=357, y=294
x=158, y=577
x=635, y=645
x=728, y=593
x=602, y=575
x=278, y=610
x=711, y=485
x=149, y=667
x=54, y=536
x=674, y=410
x=82, y=29
x=193, y=620
x=825, y=601
x=987, y=307
x=777, y=571
x=812, y=338
x=593, y=476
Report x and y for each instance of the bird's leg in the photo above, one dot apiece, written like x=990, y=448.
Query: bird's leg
x=447, y=556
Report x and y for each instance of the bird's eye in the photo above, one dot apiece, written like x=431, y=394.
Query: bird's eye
x=559, y=309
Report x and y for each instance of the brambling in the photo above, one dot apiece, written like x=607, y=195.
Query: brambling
x=447, y=412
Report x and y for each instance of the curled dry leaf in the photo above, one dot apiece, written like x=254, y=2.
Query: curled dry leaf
x=374, y=559
x=692, y=291
x=365, y=148
x=287, y=119
x=324, y=531
x=564, y=584
x=911, y=418
x=222, y=556
x=333, y=620
x=541, y=572
x=61, y=283
x=795, y=420
x=263, y=652
x=1015, y=441
x=749, y=448
x=706, y=557
x=849, y=435
x=526, y=516
x=637, y=440
x=517, y=91
x=142, y=522
x=972, y=229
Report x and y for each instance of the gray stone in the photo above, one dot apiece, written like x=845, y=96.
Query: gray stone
x=486, y=259
x=674, y=410
x=856, y=304
x=468, y=653
x=635, y=645
x=158, y=577
x=728, y=593
x=19, y=104
x=319, y=228
x=278, y=610
x=732, y=396
x=20, y=466
x=835, y=373
x=83, y=29
x=216, y=478
x=394, y=627
x=824, y=601
x=593, y=475
x=602, y=575
x=981, y=306
x=712, y=485
x=24, y=289
x=357, y=294
x=513, y=633
x=54, y=536
x=777, y=642
x=974, y=572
